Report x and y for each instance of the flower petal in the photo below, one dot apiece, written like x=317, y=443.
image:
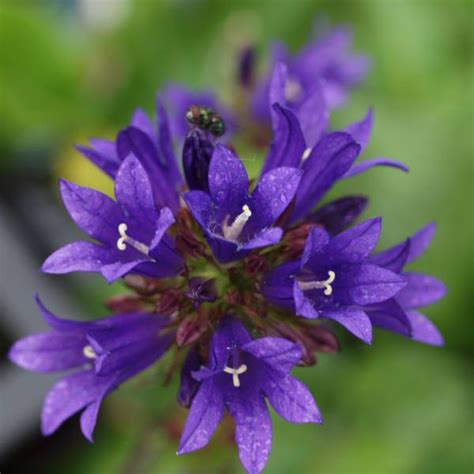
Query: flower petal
x=78, y=256
x=204, y=417
x=355, y=244
x=313, y=115
x=142, y=121
x=373, y=162
x=303, y=305
x=366, y=284
x=50, y=351
x=291, y=399
x=277, y=285
x=164, y=222
x=418, y=243
x=390, y=316
x=266, y=237
x=102, y=154
x=132, y=140
x=424, y=330
x=277, y=352
x=361, y=131
x=316, y=241
x=89, y=418
x=113, y=271
x=421, y=290
x=228, y=180
x=134, y=192
x=328, y=161
x=165, y=145
x=273, y=194
x=288, y=144
x=393, y=259
x=353, y=319
x=200, y=205
x=69, y=395
x=253, y=433
x=93, y=212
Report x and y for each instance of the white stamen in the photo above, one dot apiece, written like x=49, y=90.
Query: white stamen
x=292, y=90
x=232, y=232
x=306, y=154
x=89, y=352
x=121, y=242
x=235, y=373
x=317, y=285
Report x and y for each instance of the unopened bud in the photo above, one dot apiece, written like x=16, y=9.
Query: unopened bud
x=197, y=153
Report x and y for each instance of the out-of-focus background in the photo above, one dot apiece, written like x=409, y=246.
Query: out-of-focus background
x=72, y=69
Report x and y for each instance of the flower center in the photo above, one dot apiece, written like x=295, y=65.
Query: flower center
x=89, y=352
x=292, y=90
x=233, y=231
x=235, y=373
x=317, y=285
x=126, y=239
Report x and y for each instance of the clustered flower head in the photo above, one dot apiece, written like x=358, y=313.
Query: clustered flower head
x=244, y=276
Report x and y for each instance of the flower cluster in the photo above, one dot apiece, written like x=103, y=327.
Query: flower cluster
x=237, y=273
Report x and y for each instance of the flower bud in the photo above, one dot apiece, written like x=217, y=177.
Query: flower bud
x=201, y=290
x=197, y=153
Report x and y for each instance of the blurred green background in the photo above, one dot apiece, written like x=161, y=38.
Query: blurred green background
x=74, y=69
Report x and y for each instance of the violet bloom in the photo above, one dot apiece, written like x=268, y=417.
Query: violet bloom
x=400, y=314
x=105, y=353
x=241, y=373
x=152, y=145
x=325, y=65
x=335, y=279
x=331, y=159
x=235, y=222
x=131, y=233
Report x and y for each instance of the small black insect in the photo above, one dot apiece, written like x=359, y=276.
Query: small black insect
x=206, y=119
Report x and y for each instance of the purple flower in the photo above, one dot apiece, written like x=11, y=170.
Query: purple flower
x=152, y=146
x=335, y=279
x=105, y=353
x=240, y=374
x=325, y=67
x=400, y=314
x=330, y=160
x=234, y=221
x=131, y=233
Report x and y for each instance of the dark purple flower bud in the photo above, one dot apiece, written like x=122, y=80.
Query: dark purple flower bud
x=125, y=304
x=247, y=66
x=189, y=385
x=197, y=152
x=190, y=330
x=322, y=339
x=201, y=290
x=339, y=214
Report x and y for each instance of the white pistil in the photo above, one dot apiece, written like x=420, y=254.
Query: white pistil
x=232, y=232
x=235, y=373
x=89, y=352
x=306, y=154
x=124, y=239
x=317, y=285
